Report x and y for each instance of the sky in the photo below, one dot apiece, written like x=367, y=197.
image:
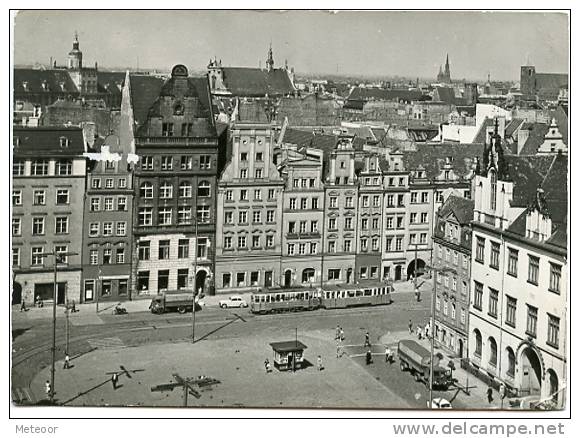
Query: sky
x=386, y=43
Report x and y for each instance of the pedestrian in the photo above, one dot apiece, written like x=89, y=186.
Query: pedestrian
x=319, y=361
x=337, y=335
x=48, y=389
x=369, y=357
x=410, y=327
x=427, y=331
x=420, y=332
x=341, y=334
x=114, y=380
x=73, y=307
x=388, y=355
x=23, y=306
x=367, y=340
x=489, y=394
x=267, y=366
x=66, y=365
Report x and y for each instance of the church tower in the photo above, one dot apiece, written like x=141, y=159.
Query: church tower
x=447, y=72
x=75, y=56
x=270, y=60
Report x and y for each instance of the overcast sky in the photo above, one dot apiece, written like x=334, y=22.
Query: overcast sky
x=374, y=43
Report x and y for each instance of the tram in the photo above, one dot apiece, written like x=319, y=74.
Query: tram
x=284, y=300
x=363, y=293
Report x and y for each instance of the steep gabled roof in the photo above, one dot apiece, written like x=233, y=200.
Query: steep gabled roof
x=145, y=90
x=45, y=141
x=432, y=157
x=527, y=174
x=242, y=81
x=481, y=136
x=461, y=208
x=35, y=78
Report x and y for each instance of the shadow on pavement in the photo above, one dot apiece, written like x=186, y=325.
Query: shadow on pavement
x=80, y=394
x=217, y=329
x=19, y=332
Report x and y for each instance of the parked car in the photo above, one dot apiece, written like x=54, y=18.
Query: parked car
x=233, y=301
x=440, y=403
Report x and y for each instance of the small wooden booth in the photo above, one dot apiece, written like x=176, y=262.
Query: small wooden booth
x=288, y=355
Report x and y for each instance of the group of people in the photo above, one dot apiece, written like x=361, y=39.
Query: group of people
x=420, y=331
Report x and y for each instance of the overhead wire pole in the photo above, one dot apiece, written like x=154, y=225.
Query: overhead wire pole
x=194, y=276
x=56, y=256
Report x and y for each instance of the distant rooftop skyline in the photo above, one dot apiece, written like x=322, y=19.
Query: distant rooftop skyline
x=390, y=43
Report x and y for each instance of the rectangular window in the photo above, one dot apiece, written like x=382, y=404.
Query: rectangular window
x=123, y=287
x=94, y=229
x=259, y=173
x=347, y=245
x=106, y=286
x=166, y=162
x=555, y=277
x=37, y=226
x=334, y=274
x=413, y=197
x=186, y=162
x=145, y=216
x=143, y=281
x=163, y=279
x=122, y=185
x=493, y=298
x=39, y=197
x=303, y=203
x=349, y=202
x=144, y=250
x=107, y=228
x=164, y=249
x=348, y=223
x=121, y=228
x=332, y=246
x=399, y=244
x=376, y=201
x=423, y=238
x=243, y=195
x=424, y=197
x=61, y=225
x=94, y=256
x=423, y=218
x=167, y=130
x=389, y=244
x=533, y=269
x=511, y=308
x=290, y=249
x=16, y=197
x=271, y=193
x=186, y=129
x=332, y=223
x=241, y=279
x=480, y=250
x=18, y=168
x=122, y=203
x=147, y=164
x=243, y=173
x=494, y=256
x=109, y=183
x=332, y=202
x=255, y=241
x=205, y=162
x=227, y=280
x=513, y=262
x=313, y=248
x=36, y=255
x=478, y=296
x=184, y=215
x=107, y=256
x=257, y=216
x=108, y=204
x=164, y=216
x=269, y=241
x=413, y=218
x=62, y=196
x=243, y=217
x=39, y=167
x=375, y=224
x=16, y=226
x=532, y=323
x=63, y=167
x=227, y=242
x=553, y=331
x=242, y=242
x=182, y=275
x=120, y=255
x=258, y=195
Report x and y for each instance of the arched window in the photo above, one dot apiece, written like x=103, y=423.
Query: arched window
x=185, y=189
x=493, y=193
x=166, y=190
x=492, y=352
x=478, y=343
x=511, y=362
x=307, y=275
x=203, y=189
x=146, y=190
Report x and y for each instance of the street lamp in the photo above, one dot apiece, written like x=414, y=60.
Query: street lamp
x=57, y=257
x=437, y=271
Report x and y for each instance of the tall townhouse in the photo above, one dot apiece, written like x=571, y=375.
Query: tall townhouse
x=370, y=217
x=394, y=221
x=249, y=213
x=108, y=215
x=49, y=173
x=518, y=310
x=303, y=217
x=340, y=211
x=175, y=184
x=452, y=249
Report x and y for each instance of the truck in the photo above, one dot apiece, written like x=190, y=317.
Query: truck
x=417, y=360
x=166, y=302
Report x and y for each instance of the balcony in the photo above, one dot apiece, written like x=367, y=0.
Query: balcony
x=304, y=235
x=182, y=141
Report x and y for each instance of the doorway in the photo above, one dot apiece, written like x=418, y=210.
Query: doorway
x=398, y=272
x=200, y=278
x=16, y=293
x=288, y=278
x=531, y=371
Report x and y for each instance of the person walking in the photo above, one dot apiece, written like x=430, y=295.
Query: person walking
x=369, y=357
x=48, y=389
x=367, y=340
x=114, y=380
x=66, y=365
x=337, y=334
x=489, y=394
x=427, y=331
x=319, y=361
x=267, y=366
x=388, y=355
x=410, y=327
x=419, y=332
x=341, y=334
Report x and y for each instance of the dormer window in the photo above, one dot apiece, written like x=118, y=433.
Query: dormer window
x=62, y=87
x=64, y=142
x=178, y=109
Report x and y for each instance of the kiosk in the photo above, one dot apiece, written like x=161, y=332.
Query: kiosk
x=288, y=355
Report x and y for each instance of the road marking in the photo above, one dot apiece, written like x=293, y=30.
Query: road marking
x=106, y=343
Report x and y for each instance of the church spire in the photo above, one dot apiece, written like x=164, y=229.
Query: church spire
x=447, y=72
x=270, y=60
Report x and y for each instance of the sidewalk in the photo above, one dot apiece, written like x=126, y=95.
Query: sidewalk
x=477, y=389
